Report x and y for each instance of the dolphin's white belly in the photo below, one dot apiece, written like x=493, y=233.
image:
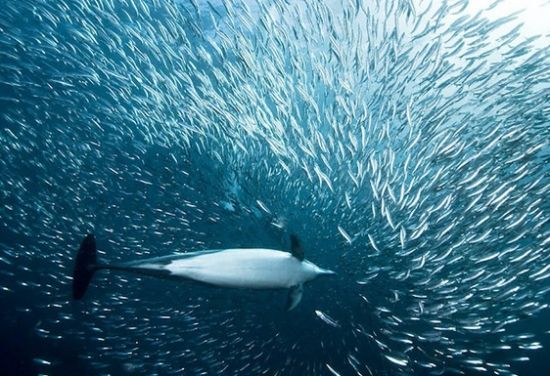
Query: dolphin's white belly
x=245, y=268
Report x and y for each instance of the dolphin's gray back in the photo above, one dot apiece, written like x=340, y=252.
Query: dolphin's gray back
x=154, y=266
x=165, y=260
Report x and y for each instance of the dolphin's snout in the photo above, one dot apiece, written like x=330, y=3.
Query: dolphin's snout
x=326, y=272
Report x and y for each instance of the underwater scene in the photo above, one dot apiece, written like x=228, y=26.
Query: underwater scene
x=274, y=187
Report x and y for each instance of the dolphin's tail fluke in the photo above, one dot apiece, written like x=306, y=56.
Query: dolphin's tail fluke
x=84, y=267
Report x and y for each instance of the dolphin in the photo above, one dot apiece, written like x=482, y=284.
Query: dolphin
x=245, y=268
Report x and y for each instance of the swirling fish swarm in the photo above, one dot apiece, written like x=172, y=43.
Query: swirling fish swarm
x=406, y=143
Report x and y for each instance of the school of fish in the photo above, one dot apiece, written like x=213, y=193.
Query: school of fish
x=406, y=142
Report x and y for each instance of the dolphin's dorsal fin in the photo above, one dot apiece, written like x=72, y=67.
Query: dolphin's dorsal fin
x=295, y=248
x=294, y=296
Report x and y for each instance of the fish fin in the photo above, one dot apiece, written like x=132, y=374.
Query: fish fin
x=294, y=296
x=295, y=248
x=84, y=267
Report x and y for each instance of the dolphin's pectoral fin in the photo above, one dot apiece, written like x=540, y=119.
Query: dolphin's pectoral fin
x=295, y=248
x=294, y=296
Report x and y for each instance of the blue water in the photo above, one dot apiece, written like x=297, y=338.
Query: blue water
x=94, y=138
